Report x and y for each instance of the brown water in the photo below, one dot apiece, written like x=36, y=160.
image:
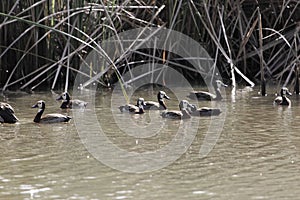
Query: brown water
x=256, y=155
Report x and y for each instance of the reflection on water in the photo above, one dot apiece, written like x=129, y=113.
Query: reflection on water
x=256, y=155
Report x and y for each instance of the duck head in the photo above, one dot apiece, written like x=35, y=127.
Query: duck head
x=218, y=84
x=191, y=108
x=140, y=102
x=64, y=96
x=185, y=105
x=40, y=104
x=284, y=91
x=162, y=95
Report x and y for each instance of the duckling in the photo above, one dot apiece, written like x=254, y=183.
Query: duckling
x=70, y=103
x=7, y=113
x=203, y=111
x=182, y=114
x=206, y=96
x=49, y=118
x=282, y=99
x=160, y=105
x=134, y=109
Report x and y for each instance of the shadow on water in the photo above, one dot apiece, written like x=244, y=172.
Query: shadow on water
x=255, y=157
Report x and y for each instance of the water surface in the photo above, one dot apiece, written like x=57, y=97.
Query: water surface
x=255, y=157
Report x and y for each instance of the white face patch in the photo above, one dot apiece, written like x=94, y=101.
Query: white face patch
x=161, y=95
x=284, y=91
x=184, y=104
x=40, y=104
x=140, y=101
x=219, y=84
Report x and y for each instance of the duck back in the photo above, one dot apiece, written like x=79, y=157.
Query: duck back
x=54, y=118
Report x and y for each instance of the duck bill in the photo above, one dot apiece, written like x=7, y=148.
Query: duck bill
x=223, y=84
x=289, y=93
x=191, y=107
x=34, y=106
x=167, y=97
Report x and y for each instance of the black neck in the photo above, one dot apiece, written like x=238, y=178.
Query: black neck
x=141, y=110
x=284, y=100
x=162, y=103
x=38, y=115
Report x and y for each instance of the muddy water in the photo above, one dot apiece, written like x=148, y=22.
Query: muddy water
x=256, y=155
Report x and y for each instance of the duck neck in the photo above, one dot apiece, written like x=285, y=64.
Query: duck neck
x=185, y=114
x=38, y=115
x=218, y=94
x=162, y=104
x=141, y=110
x=285, y=100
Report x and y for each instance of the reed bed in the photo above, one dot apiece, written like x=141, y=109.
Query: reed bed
x=43, y=43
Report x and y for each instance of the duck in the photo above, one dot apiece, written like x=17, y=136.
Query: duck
x=49, y=118
x=174, y=114
x=7, y=114
x=203, y=111
x=206, y=96
x=282, y=99
x=134, y=109
x=160, y=105
x=67, y=102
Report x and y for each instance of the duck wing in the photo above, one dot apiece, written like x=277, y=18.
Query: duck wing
x=206, y=111
x=54, y=118
x=151, y=105
x=202, y=95
x=129, y=108
x=172, y=114
x=76, y=103
x=278, y=100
